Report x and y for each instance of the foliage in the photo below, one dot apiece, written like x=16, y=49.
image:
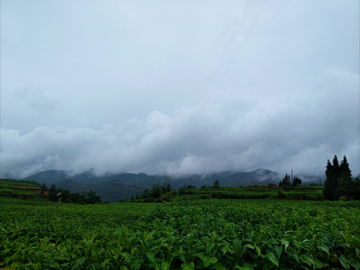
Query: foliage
x=187, y=187
x=296, y=182
x=156, y=192
x=355, y=189
x=285, y=181
x=338, y=181
x=211, y=234
x=87, y=197
x=216, y=184
x=281, y=194
x=43, y=189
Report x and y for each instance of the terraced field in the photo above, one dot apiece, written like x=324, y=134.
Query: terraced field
x=22, y=189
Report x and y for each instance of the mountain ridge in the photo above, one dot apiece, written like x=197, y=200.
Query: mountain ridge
x=89, y=177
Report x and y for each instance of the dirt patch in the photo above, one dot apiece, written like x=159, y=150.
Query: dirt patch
x=24, y=187
x=38, y=191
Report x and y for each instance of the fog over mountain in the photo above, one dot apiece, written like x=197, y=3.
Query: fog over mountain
x=179, y=88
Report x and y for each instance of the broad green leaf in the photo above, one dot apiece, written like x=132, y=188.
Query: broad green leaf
x=285, y=243
x=324, y=248
x=356, y=265
x=165, y=265
x=224, y=249
x=209, y=247
x=250, y=246
x=278, y=250
x=319, y=264
x=151, y=257
x=258, y=250
x=209, y=260
x=219, y=266
x=190, y=266
x=127, y=257
x=344, y=262
x=246, y=266
x=135, y=264
x=272, y=258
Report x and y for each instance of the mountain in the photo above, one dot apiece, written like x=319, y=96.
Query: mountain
x=260, y=176
x=115, y=187
x=109, y=191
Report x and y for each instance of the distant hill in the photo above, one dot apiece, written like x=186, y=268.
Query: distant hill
x=226, y=178
x=114, y=187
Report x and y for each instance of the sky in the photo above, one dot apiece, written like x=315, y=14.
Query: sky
x=179, y=87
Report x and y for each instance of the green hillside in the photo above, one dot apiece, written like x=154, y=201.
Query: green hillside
x=20, y=189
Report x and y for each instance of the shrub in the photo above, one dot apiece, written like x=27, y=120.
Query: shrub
x=281, y=194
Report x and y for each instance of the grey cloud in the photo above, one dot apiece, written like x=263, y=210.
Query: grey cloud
x=228, y=135
x=179, y=87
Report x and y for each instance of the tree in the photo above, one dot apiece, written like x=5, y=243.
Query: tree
x=92, y=197
x=43, y=189
x=52, y=193
x=75, y=197
x=355, y=188
x=285, y=181
x=217, y=184
x=297, y=181
x=338, y=180
x=65, y=195
x=344, y=183
x=146, y=193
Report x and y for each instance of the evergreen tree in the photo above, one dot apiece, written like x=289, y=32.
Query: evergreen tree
x=92, y=197
x=338, y=180
x=355, y=188
x=217, y=184
x=146, y=193
x=296, y=182
x=43, y=189
x=285, y=181
x=344, y=182
x=75, y=197
x=52, y=193
x=328, y=172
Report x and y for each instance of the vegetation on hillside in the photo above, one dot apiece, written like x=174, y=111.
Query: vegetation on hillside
x=56, y=194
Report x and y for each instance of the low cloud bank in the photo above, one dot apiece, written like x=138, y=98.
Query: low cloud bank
x=223, y=133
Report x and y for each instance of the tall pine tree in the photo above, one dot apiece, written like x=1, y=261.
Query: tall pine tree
x=344, y=184
x=338, y=180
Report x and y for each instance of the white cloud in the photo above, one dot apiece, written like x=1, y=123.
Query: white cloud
x=225, y=135
x=180, y=86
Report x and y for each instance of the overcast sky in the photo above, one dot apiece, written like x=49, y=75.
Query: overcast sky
x=179, y=87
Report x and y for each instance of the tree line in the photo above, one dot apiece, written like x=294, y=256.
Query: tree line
x=339, y=184
x=286, y=181
x=86, y=197
x=155, y=192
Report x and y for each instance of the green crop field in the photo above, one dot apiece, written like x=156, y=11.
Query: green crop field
x=199, y=234
x=19, y=189
x=253, y=192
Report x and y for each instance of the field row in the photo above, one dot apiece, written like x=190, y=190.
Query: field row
x=201, y=234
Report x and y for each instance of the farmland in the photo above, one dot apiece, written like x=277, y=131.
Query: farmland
x=184, y=234
x=20, y=189
x=253, y=192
